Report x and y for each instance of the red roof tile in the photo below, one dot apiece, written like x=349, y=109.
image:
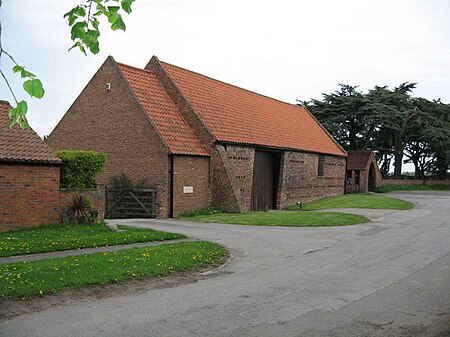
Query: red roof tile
x=22, y=145
x=358, y=160
x=237, y=115
x=173, y=129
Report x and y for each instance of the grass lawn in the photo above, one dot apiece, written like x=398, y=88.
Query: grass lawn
x=52, y=238
x=19, y=280
x=398, y=187
x=289, y=219
x=355, y=201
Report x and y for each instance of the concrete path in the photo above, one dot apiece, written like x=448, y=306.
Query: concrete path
x=389, y=277
x=64, y=253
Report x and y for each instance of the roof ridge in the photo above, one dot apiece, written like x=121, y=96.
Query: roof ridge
x=233, y=85
x=133, y=67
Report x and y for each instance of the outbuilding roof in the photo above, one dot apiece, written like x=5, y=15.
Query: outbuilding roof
x=237, y=115
x=162, y=111
x=22, y=145
x=358, y=160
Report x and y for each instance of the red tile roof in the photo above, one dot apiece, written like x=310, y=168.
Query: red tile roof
x=358, y=160
x=22, y=145
x=237, y=115
x=168, y=121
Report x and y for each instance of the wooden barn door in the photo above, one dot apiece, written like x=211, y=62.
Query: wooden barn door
x=266, y=171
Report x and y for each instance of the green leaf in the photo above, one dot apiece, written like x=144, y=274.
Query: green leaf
x=78, y=30
x=23, y=73
x=80, y=11
x=18, y=114
x=17, y=69
x=113, y=9
x=34, y=88
x=118, y=24
x=95, y=23
x=126, y=5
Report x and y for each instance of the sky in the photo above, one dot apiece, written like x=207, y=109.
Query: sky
x=285, y=49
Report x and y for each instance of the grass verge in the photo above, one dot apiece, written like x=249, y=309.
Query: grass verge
x=20, y=280
x=52, y=238
x=398, y=187
x=288, y=219
x=354, y=201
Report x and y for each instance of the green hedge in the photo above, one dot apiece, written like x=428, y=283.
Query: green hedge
x=80, y=168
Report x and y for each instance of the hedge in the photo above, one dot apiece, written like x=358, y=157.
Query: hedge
x=79, y=168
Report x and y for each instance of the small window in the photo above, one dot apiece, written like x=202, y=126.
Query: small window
x=320, y=165
x=357, y=177
x=349, y=177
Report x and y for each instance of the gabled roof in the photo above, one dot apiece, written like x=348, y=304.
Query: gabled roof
x=236, y=115
x=162, y=111
x=358, y=160
x=22, y=145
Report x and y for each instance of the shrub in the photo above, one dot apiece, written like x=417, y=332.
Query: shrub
x=80, y=168
x=81, y=211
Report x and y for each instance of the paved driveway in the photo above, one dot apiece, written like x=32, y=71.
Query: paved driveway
x=385, y=278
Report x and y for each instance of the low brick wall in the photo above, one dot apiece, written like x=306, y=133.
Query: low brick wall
x=414, y=182
x=95, y=195
x=29, y=195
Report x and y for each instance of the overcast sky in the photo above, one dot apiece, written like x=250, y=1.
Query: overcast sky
x=284, y=49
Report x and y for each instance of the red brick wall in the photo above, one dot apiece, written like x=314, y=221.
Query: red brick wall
x=415, y=182
x=298, y=176
x=114, y=123
x=95, y=195
x=190, y=171
x=29, y=195
x=300, y=181
x=241, y=159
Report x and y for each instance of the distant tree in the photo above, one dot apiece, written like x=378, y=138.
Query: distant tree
x=347, y=115
x=398, y=127
x=398, y=119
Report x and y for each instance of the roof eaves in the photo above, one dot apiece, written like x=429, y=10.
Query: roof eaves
x=344, y=153
x=279, y=148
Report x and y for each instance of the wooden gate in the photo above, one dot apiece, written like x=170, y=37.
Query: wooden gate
x=136, y=203
x=265, y=180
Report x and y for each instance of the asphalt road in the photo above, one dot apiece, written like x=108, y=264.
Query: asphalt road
x=390, y=277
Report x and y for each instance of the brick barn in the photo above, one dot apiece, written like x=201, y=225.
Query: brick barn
x=200, y=141
x=363, y=174
x=29, y=177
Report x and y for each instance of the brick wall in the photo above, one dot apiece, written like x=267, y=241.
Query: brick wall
x=300, y=181
x=241, y=160
x=29, y=195
x=95, y=195
x=415, y=182
x=114, y=123
x=190, y=172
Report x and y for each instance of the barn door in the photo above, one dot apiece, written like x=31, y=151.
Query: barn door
x=265, y=180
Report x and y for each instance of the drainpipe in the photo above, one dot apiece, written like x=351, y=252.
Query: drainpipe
x=171, y=185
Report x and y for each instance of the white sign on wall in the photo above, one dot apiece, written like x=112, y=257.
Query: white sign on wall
x=188, y=189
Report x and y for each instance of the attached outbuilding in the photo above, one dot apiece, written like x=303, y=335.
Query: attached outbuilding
x=201, y=142
x=29, y=177
x=363, y=174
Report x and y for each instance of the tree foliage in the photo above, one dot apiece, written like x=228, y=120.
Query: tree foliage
x=84, y=20
x=399, y=127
